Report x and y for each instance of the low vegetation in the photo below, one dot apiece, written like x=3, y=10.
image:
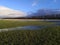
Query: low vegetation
x=13, y=23
x=47, y=36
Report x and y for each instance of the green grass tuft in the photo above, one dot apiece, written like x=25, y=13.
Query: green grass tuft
x=47, y=36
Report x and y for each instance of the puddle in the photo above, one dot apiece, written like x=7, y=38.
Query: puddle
x=23, y=28
x=57, y=23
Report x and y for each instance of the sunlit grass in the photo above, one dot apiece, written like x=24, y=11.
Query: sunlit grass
x=45, y=36
x=12, y=23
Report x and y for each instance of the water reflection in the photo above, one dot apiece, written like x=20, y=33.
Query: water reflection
x=23, y=28
x=57, y=23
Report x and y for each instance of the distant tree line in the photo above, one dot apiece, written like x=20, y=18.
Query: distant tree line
x=53, y=16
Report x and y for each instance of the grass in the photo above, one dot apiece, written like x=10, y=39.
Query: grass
x=47, y=36
x=12, y=23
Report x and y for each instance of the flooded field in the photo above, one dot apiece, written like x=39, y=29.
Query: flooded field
x=23, y=32
x=8, y=24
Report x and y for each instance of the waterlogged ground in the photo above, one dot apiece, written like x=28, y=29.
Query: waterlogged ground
x=6, y=25
x=50, y=35
x=46, y=36
x=17, y=23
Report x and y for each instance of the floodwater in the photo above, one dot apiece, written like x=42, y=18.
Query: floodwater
x=23, y=28
x=32, y=27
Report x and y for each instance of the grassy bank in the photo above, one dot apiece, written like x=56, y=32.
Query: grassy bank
x=12, y=23
x=47, y=36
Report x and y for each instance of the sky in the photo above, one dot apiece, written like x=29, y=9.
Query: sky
x=30, y=5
